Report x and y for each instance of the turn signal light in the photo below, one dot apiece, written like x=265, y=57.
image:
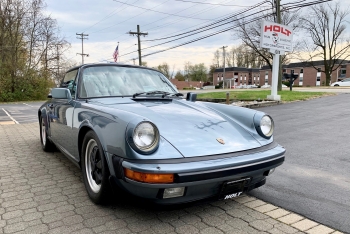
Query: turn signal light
x=148, y=177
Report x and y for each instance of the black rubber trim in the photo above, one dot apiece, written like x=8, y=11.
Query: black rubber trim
x=117, y=165
x=206, y=175
x=205, y=158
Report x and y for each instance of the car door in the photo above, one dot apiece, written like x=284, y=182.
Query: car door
x=62, y=112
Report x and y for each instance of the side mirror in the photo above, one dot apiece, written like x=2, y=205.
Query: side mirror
x=192, y=97
x=61, y=93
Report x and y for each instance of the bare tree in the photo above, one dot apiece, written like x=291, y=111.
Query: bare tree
x=30, y=50
x=165, y=69
x=327, y=23
x=216, y=59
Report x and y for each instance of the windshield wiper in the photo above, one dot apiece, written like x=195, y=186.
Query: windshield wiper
x=157, y=92
x=150, y=93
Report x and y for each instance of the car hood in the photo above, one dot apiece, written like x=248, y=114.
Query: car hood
x=191, y=129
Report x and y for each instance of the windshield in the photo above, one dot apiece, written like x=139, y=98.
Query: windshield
x=102, y=81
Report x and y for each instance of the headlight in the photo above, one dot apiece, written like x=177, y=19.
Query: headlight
x=264, y=125
x=145, y=136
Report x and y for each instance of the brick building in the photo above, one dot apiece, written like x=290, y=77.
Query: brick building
x=308, y=75
x=237, y=76
x=182, y=84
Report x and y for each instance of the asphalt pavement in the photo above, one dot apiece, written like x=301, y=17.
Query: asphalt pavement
x=314, y=181
x=19, y=113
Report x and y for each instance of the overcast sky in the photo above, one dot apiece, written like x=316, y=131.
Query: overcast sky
x=108, y=22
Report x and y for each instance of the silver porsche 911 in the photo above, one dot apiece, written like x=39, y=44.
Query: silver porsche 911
x=129, y=129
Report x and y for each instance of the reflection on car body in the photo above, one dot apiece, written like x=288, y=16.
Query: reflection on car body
x=129, y=129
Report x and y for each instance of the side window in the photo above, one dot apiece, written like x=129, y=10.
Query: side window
x=69, y=82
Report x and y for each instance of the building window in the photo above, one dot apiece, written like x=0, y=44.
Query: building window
x=301, y=79
x=318, y=69
x=292, y=71
x=342, y=73
x=318, y=78
x=284, y=70
x=236, y=74
x=301, y=70
x=266, y=73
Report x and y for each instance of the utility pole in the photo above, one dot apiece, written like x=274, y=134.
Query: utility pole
x=82, y=37
x=224, y=54
x=138, y=33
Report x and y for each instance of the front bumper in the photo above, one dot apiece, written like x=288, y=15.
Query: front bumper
x=201, y=178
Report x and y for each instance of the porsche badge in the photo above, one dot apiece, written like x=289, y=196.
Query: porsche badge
x=220, y=140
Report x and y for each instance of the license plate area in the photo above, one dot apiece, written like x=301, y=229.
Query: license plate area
x=232, y=189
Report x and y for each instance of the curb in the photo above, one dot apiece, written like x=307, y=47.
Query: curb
x=285, y=217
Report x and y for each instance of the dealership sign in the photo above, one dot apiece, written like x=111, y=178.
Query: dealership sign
x=276, y=37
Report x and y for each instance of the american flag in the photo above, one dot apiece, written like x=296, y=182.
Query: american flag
x=115, y=54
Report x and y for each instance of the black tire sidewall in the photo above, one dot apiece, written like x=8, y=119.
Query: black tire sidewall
x=102, y=196
x=48, y=147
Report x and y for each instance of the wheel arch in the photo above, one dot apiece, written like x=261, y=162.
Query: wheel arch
x=82, y=132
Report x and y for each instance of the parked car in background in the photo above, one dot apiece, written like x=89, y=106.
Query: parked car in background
x=128, y=128
x=265, y=86
x=344, y=82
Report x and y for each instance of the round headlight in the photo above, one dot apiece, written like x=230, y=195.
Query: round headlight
x=145, y=136
x=266, y=125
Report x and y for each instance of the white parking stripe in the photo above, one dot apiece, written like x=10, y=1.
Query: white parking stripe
x=28, y=104
x=10, y=116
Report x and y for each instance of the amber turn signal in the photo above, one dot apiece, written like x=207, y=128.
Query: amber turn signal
x=148, y=177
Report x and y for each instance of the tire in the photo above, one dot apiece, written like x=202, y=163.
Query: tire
x=336, y=85
x=46, y=144
x=95, y=169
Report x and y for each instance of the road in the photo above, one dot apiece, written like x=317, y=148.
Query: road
x=314, y=181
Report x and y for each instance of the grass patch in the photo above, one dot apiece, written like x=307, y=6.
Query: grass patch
x=286, y=96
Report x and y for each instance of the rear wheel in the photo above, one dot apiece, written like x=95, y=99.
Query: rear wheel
x=336, y=85
x=95, y=169
x=46, y=144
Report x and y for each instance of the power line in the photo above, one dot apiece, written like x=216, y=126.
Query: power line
x=163, y=12
x=230, y=28
x=221, y=20
x=203, y=29
x=130, y=17
x=110, y=15
x=167, y=24
x=197, y=13
x=214, y=4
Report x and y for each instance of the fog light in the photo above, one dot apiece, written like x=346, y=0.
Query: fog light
x=173, y=192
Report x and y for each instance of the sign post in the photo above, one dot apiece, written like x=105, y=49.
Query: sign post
x=278, y=38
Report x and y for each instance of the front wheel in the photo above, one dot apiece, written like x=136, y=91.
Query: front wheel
x=336, y=85
x=46, y=144
x=95, y=169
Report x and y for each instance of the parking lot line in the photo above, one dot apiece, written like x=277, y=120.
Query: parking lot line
x=10, y=116
x=28, y=104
